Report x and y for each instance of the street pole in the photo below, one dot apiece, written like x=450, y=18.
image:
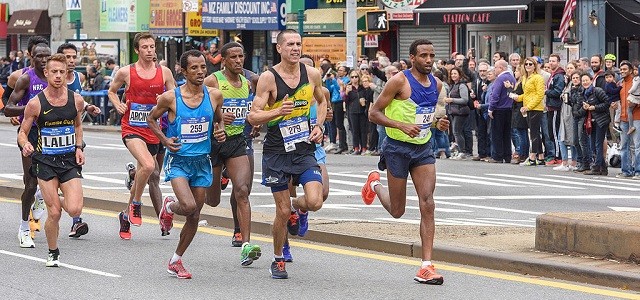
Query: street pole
x=78, y=25
x=301, y=22
x=184, y=31
x=352, y=29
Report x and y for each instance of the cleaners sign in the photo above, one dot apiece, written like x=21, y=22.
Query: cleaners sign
x=244, y=15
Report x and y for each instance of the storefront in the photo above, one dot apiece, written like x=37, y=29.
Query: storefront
x=131, y=16
x=511, y=26
x=26, y=23
x=248, y=22
x=403, y=31
x=623, y=37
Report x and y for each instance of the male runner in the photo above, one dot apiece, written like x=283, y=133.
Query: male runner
x=321, y=158
x=144, y=81
x=187, y=165
x=57, y=156
x=74, y=81
x=232, y=153
x=288, y=151
x=27, y=86
x=406, y=107
x=38, y=207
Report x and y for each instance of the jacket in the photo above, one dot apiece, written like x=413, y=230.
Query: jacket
x=533, y=88
x=597, y=97
x=554, y=89
x=500, y=95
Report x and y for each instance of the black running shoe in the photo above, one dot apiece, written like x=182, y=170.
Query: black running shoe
x=78, y=229
x=125, y=227
x=293, y=225
x=278, y=270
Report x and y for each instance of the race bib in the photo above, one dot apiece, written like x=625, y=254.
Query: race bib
x=138, y=114
x=294, y=131
x=424, y=118
x=58, y=140
x=240, y=107
x=194, y=130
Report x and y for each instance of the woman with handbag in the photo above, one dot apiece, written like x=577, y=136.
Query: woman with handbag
x=532, y=109
x=458, y=107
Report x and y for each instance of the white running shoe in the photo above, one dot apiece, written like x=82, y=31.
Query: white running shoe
x=38, y=207
x=53, y=260
x=128, y=182
x=24, y=236
x=562, y=168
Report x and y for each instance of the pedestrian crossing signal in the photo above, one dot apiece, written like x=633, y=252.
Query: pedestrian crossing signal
x=377, y=21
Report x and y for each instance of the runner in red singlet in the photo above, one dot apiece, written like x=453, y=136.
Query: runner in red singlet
x=144, y=81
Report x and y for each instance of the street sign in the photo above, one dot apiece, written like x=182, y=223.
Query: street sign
x=371, y=41
x=73, y=4
x=74, y=25
x=189, y=5
x=377, y=21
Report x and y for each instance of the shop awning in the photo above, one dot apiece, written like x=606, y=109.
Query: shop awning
x=623, y=17
x=29, y=22
x=463, y=6
x=325, y=20
x=450, y=12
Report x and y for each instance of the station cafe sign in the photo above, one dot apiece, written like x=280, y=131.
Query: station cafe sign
x=402, y=10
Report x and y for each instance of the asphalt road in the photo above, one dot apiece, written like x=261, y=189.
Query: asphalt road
x=468, y=193
x=101, y=266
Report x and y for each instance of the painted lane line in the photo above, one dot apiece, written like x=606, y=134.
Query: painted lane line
x=68, y=266
x=518, y=182
x=107, y=148
x=493, y=222
x=474, y=181
x=482, y=207
x=509, y=220
x=619, y=181
x=567, y=182
x=537, y=197
x=9, y=145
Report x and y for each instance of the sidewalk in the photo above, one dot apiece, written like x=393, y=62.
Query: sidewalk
x=498, y=248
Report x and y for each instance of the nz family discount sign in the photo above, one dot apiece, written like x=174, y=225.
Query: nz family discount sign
x=243, y=15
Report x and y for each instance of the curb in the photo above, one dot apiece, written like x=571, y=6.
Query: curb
x=472, y=257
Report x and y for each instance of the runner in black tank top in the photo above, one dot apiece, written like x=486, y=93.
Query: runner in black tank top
x=284, y=103
x=58, y=156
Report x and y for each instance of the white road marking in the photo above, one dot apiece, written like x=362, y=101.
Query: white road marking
x=492, y=222
x=481, y=207
x=68, y=266
x=568, y=182
x=518, y=182
x=620, y=181
x=9, y=145
x=103, y=147
x=12, y=176
x=617, y=208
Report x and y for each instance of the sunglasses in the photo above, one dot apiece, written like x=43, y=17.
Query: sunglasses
x=355, y=76
x=528, y=64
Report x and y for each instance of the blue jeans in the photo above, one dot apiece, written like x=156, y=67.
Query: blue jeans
x=521, y=141
x=440, y=142
x=382, y=134
x=630, y=163
x=564, y=151
x=597, y=140
x=585, y=143
x=549, y=147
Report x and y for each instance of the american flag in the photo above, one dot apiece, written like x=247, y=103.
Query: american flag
x=567, y=14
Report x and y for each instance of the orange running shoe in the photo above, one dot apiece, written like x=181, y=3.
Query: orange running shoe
x=236, y=240
x=368, y=195
x=135, y=213
x=428, y=275
x=177, y=269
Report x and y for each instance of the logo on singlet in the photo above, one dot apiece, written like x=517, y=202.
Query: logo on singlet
x=47, y=111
